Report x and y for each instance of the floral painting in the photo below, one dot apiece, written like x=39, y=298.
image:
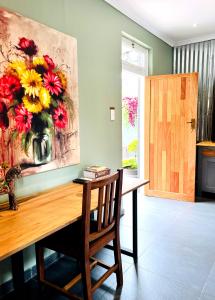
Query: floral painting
x=38, y=96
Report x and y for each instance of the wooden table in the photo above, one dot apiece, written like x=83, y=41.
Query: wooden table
x=132, y=185
x=45, y=214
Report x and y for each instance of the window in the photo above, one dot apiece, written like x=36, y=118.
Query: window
x=134, y=68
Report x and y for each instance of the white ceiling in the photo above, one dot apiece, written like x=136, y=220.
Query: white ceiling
x=172, y=20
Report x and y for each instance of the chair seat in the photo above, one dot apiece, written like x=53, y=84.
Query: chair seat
x=68, y=240
x=68, y=236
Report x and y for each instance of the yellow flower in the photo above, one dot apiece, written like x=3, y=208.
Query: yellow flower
x=63, y=79
x=45, y=97
x=31, y=82
x=32, y=104
x=39, y=61
x=18, y=66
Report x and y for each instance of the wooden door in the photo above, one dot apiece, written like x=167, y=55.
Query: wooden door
x=170, y=138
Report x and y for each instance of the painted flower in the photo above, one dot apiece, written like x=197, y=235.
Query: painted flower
x=27, y=46
x=37, y=104
x=52, y=83
x=18, y=66
x=45, y=98
x=63, y=79
x=49, y=62
x=32, y=104
x=31, y=82
x=4, y=121
x=9, y=87
x=23, y=118
x=60, y=116
x=40, y=65
x=1, y=174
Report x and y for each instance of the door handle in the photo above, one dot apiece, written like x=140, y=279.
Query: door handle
x=193, y=124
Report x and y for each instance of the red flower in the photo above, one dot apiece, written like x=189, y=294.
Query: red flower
x=9, y=87
x=52, y=83
x=27, y=46
x=4, y=121
x=23, y=118
x=60, y=116
x=49, y=62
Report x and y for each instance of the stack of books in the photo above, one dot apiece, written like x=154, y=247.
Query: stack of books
x=96, y=172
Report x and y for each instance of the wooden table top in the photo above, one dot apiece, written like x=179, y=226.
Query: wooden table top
x=130, y=184
x=206, y=144
x=46, y=213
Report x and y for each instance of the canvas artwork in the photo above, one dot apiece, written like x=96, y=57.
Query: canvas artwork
x=39, y=126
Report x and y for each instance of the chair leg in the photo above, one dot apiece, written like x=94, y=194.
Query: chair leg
x=118, y=260
x=40, y=262
x=86, y=279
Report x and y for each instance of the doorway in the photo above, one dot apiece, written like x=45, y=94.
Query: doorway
x=134, y=68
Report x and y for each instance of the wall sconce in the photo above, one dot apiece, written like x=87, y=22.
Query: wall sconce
x=112, y=113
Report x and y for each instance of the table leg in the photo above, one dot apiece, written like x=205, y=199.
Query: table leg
x=135, y=229
x=134, y=253
x=18, y=274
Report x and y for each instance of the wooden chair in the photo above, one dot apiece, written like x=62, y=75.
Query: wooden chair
x=83, y=239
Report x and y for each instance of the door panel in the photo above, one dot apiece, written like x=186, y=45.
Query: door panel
x=170, y=136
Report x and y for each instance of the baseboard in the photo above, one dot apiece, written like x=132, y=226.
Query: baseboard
x=7, y=287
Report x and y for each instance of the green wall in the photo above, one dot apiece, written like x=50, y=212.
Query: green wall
x=98, y=28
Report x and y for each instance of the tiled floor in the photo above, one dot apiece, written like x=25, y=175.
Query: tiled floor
x=176, y=254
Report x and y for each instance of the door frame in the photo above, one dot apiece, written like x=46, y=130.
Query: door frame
x=142, y=72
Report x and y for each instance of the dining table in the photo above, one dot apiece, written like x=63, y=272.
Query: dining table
x=44, y=213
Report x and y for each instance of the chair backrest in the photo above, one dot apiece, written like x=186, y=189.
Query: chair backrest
x=109, y=205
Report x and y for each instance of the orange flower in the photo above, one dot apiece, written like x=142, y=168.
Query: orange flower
x=63, y=79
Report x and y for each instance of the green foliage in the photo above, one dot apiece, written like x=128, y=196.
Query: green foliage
x=132, y=147
x=26, y=141
x=13, y=135
x=46, y=119
x=130, y=163
x=54, y=103
x=125, y=116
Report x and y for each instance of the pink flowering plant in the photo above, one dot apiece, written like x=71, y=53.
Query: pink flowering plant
x=129, y=108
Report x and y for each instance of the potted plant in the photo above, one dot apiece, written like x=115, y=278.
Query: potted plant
x=130, y=164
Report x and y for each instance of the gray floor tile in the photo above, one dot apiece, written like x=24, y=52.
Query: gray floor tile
x=206, y=297
x=143, y=285
x=209, y=287
x=144, y=239
x=175, y=261
x=107, y=256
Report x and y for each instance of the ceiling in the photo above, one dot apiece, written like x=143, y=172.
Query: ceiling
x=176, y=22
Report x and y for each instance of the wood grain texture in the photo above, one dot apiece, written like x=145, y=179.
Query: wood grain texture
x=206, y=143
x=43, y=214
x=183, y=88
x=170, y=141
x=209, y=153
x=147, y=132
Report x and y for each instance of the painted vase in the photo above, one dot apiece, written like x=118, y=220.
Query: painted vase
x=42, y=148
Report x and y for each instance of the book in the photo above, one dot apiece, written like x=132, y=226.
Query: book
x=81, y=180
x=96, y=168
x=96, y=171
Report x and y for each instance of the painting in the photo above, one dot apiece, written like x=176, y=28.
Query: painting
x=39, y=124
